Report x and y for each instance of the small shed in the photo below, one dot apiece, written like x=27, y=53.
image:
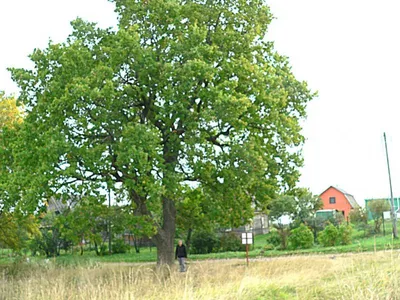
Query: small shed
x=326, y=214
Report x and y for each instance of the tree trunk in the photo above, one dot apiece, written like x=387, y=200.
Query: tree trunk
x=136, y=245
x=96, y=248
x=165, y=250
x=164, y=239
x=189, y=239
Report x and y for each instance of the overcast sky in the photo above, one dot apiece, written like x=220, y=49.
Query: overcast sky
x=348, y=51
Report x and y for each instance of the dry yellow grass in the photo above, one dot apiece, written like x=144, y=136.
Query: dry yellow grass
x=357, y=276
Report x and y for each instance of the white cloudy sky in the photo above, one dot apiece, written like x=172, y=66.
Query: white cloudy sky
x=347, y=50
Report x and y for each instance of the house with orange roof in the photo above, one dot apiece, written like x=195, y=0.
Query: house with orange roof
x=340, y=200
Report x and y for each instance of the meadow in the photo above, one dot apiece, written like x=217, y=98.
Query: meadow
x=343, y=276
x=369, y=268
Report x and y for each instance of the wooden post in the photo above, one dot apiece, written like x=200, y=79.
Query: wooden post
x=247, y=254
x=109, y=222
x=383, y=221
x=247, y=239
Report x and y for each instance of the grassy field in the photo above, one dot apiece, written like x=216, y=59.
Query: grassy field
x=346, y=276
x=356, y=271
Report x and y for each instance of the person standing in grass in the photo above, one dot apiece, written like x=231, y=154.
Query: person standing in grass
x=181, y=255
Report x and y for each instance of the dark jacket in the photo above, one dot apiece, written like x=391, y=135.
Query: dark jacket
x=180, y=251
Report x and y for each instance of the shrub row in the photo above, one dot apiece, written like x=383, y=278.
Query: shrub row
x=303, y=238
x=210, y=242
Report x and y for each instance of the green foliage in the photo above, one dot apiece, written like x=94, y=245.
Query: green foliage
x=194, y=214
x=124, y=220
x=273, y=237
x=10, y=114
x=268, y=247
x=300, y=206
x=119, y=246
x=345, y=234
x=306, y=205
x=284, y=205
x=204, y=242
x=50, y=241
x=359, y=218
x=17, y=230
x=301, y=238
x=318, y=223
x=358, y=215
x=377, y=207
x=208, y=242
x=329, y=236
x=102, y=250
x=283, y=232
x=367, y=228
x=231, y=242
x=86, y=221
x=335, y=220
x=195, y=97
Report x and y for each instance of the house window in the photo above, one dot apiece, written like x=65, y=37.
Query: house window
x=332, y=200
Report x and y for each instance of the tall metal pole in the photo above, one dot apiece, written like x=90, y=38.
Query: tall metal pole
x=394, y=217
x=109, y=221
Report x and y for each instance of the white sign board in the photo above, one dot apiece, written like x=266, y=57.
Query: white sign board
x=387, y=215
x=247, y=238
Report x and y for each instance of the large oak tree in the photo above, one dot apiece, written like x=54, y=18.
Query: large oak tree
x=184, y=94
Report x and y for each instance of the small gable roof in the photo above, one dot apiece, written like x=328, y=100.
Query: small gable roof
x=350, y=198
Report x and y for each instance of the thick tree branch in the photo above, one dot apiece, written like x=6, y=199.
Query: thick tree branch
x=214, y=138
x=208, y=38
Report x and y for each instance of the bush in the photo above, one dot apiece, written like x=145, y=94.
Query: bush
x=268, y=247
x=367, y=228
x=358, y=215
x=301, y=238
x=35, y=246
x=231, y=242
x=377, y=207
x=48, y=243
x=284, y=232
x=274, y=238
x=103, y=250
x=203, y=242
x=329, y=236
x=119, y=246
x=345, y=233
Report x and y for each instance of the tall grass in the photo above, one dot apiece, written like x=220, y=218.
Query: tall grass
x=351, y=276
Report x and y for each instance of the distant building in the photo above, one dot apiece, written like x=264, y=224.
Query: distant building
x=338, y=199
x=56, y=206
x=258, y=225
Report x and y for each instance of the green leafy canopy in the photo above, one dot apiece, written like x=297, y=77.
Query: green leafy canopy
x=183, y=94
